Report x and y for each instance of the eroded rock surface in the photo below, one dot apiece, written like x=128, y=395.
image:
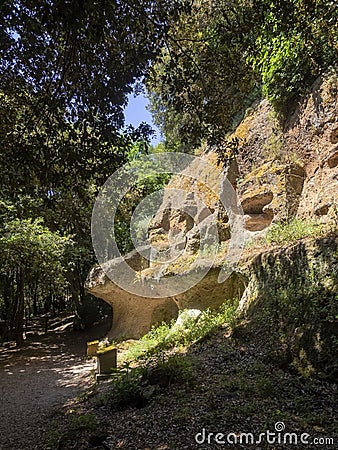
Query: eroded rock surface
x=280, y=174
x=294, y=291
x=271, y=193
x=133, y=315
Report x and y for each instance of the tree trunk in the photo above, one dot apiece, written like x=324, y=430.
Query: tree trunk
x=74, y=290
x=8, y=304
x=13, y=307
x=19, y=315
x=35, y=301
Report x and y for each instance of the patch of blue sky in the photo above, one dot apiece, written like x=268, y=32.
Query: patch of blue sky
x=136, y=112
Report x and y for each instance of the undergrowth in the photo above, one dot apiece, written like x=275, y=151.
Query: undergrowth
x=157, y=367
x=73, y=423
x=136, y=386
x=286, y=233
x=168, y=336
x=294, y=230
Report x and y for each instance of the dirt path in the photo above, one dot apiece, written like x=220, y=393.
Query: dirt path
x=36, y=380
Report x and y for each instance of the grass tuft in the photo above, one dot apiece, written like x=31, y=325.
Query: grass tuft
x=292, y=231
x=166, y=336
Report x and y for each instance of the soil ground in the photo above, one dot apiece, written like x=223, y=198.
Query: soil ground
x=237, y=386
x=38, y=379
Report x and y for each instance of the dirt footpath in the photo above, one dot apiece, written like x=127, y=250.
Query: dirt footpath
x=35, y=381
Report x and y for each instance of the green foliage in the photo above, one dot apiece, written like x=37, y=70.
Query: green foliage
x=283, y=70
x=201, y=80
x=69, y=427
x=295, y=302
x=27, y=243
x=295, y=42
x=81, y=57
x=283, y=233
x=147, y=181
x=66, y=70
x=30, y=256
x=222, y=55
x=167, y=336
x=83, y=422
x=134, y=387
x=127, y=391
x=176, y=369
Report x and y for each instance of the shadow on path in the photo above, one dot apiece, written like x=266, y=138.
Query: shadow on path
x=35, y=380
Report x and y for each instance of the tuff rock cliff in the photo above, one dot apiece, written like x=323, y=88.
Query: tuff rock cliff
x=281, y=173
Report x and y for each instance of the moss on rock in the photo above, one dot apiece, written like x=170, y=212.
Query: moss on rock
x=292, y=296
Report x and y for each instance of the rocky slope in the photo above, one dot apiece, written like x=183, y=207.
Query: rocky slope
x=280, y=173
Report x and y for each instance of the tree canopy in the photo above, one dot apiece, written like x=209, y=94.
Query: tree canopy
x=221, y=55
x=32, y=258
x=83, y=55
x=66, y=70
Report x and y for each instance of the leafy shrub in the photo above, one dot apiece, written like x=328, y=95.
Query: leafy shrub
x=283, y=69
x=127, y=390
x=83, y=422
x=134, y=387
x=176, y=369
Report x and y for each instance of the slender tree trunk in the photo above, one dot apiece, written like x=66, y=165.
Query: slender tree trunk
x=12, y=311
x=74, y=290
x=8, y=301
x=19, y=316
x=7, y=291
x=35, y=301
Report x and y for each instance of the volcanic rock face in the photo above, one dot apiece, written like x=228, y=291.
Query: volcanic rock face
x=317, y=135
x=294, y=291
x=281, y=173
x=271, y=193
x=133, y=315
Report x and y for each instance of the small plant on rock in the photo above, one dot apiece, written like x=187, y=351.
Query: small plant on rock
x=281, y=233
